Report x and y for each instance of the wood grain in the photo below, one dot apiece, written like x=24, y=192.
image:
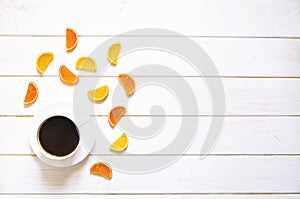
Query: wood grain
x=255, y=46
x=199, y=18
x=243, y=96
x=217, y=174
x=156, y=196
x=232, y=56
x=253, y=135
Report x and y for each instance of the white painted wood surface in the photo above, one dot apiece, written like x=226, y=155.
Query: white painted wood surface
x=243, y=96
x=192, y=18
x=224, y=174
x=232, y=56
x=255, y=46
x=240, y=135
x=160, y=196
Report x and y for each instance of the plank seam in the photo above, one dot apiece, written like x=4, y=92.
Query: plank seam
x=157, y=155
x=176, y=36
x=105, y=115
x=161, y=76
x=157, y=194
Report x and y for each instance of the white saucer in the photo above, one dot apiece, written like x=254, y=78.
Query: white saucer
x=87, y=136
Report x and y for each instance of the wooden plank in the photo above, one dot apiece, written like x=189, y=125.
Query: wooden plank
x=254, y=135
x=142, y=196
x=232, y=57
x=243, y=96
x=25, y=174
x=201, y=18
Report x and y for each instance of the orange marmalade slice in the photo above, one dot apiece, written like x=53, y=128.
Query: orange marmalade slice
x=113, y=53
x=86, y=63
x=67, y=76
x=43, y=60
x=98, y=94
x=128, y=83
x=31, y=94
x=101, y=169
x=115, y=115
x=71, y=39
x=120, y=144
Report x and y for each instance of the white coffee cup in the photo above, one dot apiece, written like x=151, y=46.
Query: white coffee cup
x=58, y=137
x=85, y=130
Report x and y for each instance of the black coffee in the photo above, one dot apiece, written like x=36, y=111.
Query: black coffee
x=58, y=135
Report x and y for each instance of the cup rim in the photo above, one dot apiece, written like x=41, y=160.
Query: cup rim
x=54, y=157
x=87, y=136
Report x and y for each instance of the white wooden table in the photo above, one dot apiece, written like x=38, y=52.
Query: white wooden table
x=255, y=45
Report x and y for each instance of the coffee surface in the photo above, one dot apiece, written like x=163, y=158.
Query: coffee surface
x=58, y=135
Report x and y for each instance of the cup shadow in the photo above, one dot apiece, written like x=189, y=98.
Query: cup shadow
x=55, y=176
